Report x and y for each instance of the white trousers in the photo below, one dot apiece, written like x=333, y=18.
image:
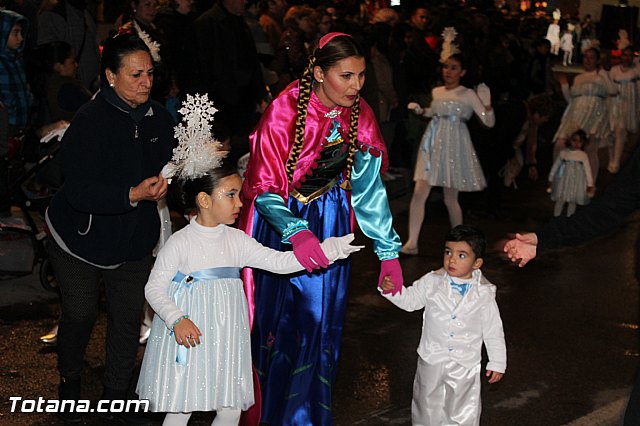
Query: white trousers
x=446, y=394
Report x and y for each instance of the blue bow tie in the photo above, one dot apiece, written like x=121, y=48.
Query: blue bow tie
x=461, y=288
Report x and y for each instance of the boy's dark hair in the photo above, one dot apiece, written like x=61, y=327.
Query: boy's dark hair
x=192, y=187
x=470, y=235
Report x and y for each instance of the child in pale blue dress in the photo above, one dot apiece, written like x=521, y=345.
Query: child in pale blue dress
x=198, y=356
x=570, y=178
x=446, y=157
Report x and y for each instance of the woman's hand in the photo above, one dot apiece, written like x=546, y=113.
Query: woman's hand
x=152, y=189
x=307, y=249
x=186, y=333
x=522, y=248
x=391, y=268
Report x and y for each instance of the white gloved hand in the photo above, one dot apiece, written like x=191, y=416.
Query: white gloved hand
x=415, y=107
x=56, y=133
x=484, y=93
x=339, y=247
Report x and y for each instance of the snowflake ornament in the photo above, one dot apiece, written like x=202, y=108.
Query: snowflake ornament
x=154, y=46
x=197, y=151
x=449, y=48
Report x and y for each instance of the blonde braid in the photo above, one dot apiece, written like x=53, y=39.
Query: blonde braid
x=304, y=94
x=353, y=135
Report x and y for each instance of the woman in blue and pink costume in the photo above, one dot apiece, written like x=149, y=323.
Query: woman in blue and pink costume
x=315, y=168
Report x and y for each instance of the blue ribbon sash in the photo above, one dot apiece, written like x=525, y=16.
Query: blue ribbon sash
x=185, y=283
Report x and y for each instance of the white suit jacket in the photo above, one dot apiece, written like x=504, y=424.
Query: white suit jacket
x=453, y=331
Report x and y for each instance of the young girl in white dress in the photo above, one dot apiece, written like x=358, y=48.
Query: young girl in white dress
x=587, y=108
x=198, y=356
x=624, y=114
x=446, y=157
x=570, y=178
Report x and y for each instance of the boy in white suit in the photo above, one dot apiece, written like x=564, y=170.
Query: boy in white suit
x=460, y=313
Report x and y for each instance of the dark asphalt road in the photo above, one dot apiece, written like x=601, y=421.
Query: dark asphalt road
x=570, y=321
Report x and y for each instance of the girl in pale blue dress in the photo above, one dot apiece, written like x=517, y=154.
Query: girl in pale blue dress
x=587, y=108
x=198, y=356
x=570, y=178
x=446, y=157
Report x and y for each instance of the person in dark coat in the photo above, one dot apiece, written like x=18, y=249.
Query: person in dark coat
x=104, y=221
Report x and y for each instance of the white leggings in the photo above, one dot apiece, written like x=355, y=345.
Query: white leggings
x=224, y=417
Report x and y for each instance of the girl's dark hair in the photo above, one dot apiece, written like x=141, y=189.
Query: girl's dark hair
x=460, y=59
x=116, y=48
x=583, y=135
x=336, y=49
x=53, y=53
x=470, y=235
x=207, y=183
x=40, y=64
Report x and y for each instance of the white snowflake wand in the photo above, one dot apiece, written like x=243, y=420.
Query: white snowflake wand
x=197, y=151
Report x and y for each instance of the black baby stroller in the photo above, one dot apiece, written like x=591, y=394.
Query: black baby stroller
x=23, y=233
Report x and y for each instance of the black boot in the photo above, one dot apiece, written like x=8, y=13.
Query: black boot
x=69, y=390
x=130, y=417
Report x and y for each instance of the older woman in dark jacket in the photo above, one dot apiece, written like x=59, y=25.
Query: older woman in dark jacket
x=104, y=221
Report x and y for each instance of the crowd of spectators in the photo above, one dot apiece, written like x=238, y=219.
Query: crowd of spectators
x=242, y=53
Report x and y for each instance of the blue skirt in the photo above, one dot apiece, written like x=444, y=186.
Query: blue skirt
x=298, y=321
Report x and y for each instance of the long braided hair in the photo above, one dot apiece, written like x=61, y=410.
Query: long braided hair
x=336, y=49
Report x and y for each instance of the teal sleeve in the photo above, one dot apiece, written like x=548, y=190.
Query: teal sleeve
x=371, y=206
x=274, y=210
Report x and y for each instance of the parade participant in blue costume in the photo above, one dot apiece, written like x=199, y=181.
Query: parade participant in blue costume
x=316, y=159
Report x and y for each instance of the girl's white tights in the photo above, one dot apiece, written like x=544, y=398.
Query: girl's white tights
x=420, y=195
x=224, y=417
x=557, y=210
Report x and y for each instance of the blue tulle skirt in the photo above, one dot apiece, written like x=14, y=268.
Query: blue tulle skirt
x=299, y=319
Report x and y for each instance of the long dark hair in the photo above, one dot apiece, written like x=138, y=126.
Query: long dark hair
x=338, y=48
x=41, y=61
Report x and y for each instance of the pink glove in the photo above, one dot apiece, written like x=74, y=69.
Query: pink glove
x=392, y=268
x=307, y=250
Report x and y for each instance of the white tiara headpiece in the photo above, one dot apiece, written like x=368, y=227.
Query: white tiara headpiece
x=449, y=47
x=198, y=151
x=154, y=46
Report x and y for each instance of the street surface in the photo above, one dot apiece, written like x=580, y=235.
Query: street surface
x=570, y=320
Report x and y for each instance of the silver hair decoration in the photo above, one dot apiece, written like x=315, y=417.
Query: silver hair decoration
x=449, y=48
x=198, y=151
x=154, y=46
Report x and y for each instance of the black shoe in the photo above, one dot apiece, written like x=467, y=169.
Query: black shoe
x=69, y=389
